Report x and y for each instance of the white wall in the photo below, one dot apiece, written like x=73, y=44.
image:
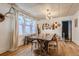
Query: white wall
x=4, y=35
x=4, y=30
x=75, y=32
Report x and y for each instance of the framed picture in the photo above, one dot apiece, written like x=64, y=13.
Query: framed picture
x=76, y=22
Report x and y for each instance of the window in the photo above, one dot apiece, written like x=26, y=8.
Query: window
x=28, y=29
x=21, y=22
x=27, y=26
x=30, y=26
x=33, y=26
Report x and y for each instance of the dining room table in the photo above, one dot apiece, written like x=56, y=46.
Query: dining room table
x=43, y=42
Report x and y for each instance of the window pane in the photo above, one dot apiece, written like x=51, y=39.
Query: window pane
x=33, y=30
x=21, y=21
x=28, y=23
x=28, y=29
x=27, y=19
x=20, y=29
x=33, y=26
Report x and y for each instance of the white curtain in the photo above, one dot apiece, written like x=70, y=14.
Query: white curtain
x=14, y=32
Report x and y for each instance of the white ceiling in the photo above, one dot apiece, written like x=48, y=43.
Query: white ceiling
x=4, y=7
x=58, y=9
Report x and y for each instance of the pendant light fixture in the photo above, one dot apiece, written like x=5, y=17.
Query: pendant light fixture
x=48, y=14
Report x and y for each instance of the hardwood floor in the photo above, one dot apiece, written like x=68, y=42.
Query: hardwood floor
x=68, y=49
x=21, y=51
x=64, y=49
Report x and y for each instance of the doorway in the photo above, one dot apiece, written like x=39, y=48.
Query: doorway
x=67, y=30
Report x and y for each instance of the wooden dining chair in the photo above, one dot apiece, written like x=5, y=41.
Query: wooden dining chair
x=33, y=43
x=53, y=46
x=41, y=47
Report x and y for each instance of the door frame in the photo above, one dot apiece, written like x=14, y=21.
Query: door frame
x=69, y=29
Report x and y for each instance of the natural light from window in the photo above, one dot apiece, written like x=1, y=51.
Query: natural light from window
x=26, y=26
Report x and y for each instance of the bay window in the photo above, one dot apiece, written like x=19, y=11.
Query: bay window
x=26, y=26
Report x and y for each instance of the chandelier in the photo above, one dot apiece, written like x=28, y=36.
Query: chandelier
x=48, y=14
